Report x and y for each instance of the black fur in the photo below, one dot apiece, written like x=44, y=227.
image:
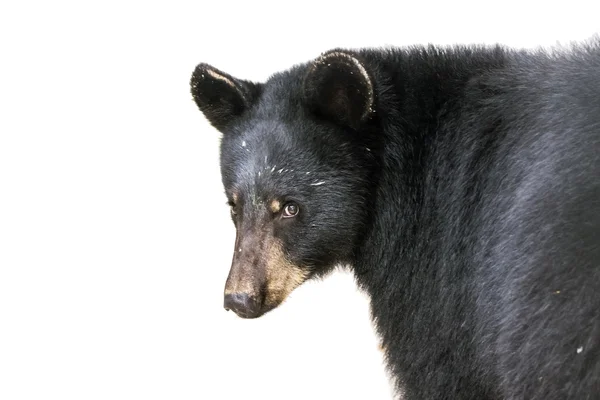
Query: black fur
x=467, y=203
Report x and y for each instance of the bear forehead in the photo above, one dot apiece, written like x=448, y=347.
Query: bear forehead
x=270, y=165
x=273, y=154
x=272, y=144
x=266, y=165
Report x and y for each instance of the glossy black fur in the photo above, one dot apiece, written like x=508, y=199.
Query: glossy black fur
x=467, y=205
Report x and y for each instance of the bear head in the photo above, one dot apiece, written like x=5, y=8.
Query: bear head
x=297, y=157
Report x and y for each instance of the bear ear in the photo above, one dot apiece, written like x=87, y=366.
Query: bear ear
x=220, y=96
x=338, y=86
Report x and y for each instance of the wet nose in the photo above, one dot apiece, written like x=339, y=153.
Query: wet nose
x=242, y=304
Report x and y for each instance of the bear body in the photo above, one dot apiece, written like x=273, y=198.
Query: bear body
x=461, y=186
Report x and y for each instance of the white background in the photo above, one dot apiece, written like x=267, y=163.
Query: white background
x=115, y=240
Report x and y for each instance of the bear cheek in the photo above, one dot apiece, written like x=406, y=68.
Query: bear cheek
x=282, y=276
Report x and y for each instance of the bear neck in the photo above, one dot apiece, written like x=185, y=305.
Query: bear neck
x=423, y=204
x=404, y=245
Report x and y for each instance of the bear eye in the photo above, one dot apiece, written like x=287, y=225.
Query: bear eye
x=290, y=210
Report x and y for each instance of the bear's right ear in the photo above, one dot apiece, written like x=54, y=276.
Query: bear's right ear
x=220, y=96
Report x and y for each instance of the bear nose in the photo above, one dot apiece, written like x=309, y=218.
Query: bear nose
x=242, y=304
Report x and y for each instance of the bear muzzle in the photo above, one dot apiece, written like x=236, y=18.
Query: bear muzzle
x=261, y=277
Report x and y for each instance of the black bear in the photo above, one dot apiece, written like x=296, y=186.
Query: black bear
x=461, y=185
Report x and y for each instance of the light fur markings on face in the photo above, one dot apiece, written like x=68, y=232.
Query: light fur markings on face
x=275, y=206
x=282, y=276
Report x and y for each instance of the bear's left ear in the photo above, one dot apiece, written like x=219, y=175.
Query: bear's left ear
x=220, y=96
x=339, y=87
